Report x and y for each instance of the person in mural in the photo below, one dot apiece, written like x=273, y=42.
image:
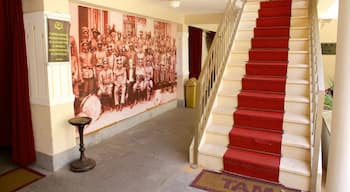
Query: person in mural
x=149, y=77
x=100, y=54
x=162, y=68
x=139, y=85
x=76, y=73
x=131, y=76
x=125, y=63
x=156, y=67
x=94, y=39
x=87, y=62
x=85, y=36
x=120, y=78
x=105, y=84
x=111, y=55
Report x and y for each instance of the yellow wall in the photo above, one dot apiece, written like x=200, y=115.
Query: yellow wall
x=328, y=34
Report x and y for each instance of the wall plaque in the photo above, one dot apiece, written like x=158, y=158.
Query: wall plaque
x=58, y=40
x=328, y=48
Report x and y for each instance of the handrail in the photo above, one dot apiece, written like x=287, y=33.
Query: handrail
x=317, y=92
x=213, y=69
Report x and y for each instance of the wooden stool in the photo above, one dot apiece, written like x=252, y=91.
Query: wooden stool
x=82, y=164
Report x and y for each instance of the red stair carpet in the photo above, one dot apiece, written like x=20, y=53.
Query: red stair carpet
x=256, y=137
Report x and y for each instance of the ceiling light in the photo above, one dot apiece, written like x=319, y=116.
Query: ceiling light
x=175, y=3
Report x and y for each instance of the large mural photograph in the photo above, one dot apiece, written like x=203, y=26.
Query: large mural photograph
x=122, y=64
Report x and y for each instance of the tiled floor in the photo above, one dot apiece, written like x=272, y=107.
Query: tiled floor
x=151, y=157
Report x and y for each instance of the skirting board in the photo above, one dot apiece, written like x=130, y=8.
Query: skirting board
x=57, y=161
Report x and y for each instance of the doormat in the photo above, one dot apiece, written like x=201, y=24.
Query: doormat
x=18, y=178
x=224, y=182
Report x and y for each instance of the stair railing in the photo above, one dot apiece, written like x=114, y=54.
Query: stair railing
x=317, y=93
x=213, y=69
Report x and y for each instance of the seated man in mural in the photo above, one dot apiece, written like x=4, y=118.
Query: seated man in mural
x=139, y=85
x=131, y=76
x=105, y=83
x=120, y=78
x=149, y=77
x=87, y=63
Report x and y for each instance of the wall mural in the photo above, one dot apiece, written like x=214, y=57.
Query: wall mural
x=122, y=64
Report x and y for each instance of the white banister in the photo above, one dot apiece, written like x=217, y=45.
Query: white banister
x=213, y=68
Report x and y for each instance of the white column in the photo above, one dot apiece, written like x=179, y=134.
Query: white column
x=182, y=67
x=339, y=150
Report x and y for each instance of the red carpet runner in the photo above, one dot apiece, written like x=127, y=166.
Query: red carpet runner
x=255, y=139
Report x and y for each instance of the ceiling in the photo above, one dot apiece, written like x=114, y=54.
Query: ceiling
x=193, y=6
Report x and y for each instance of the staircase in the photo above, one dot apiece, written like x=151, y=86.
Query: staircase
x=259, y=125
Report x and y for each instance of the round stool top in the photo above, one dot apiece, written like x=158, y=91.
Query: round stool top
x=78, y=121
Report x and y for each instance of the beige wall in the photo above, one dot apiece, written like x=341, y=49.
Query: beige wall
x=328, y=34
x=213, y=18
x=138, y=7
x=50, y=84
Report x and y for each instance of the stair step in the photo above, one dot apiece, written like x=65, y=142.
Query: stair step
x=272, y=42
x=295, y=174
x=296, y=21
x=274, y=4
x=264, y=101
x=296, y=141
x=295, y=118
x=287, y=139
x=211, y=156
x=293, y=73
x=264, y=83
x=266, y=68
x=295, y=166
x=295, y=32
x=295, y=12
x=297, y=99
x=293, y=57
x=282, y=11
x=296, y=44
x=272, y=31
x=257, y=140
x=292, y=88
x=273, y=21
x=268, y=54
x=293, y=146
x=219, y=129
x=258, y=119
x=258, y=165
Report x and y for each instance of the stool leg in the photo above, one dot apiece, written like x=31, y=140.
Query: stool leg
x=81, y=138
x=82, y=164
